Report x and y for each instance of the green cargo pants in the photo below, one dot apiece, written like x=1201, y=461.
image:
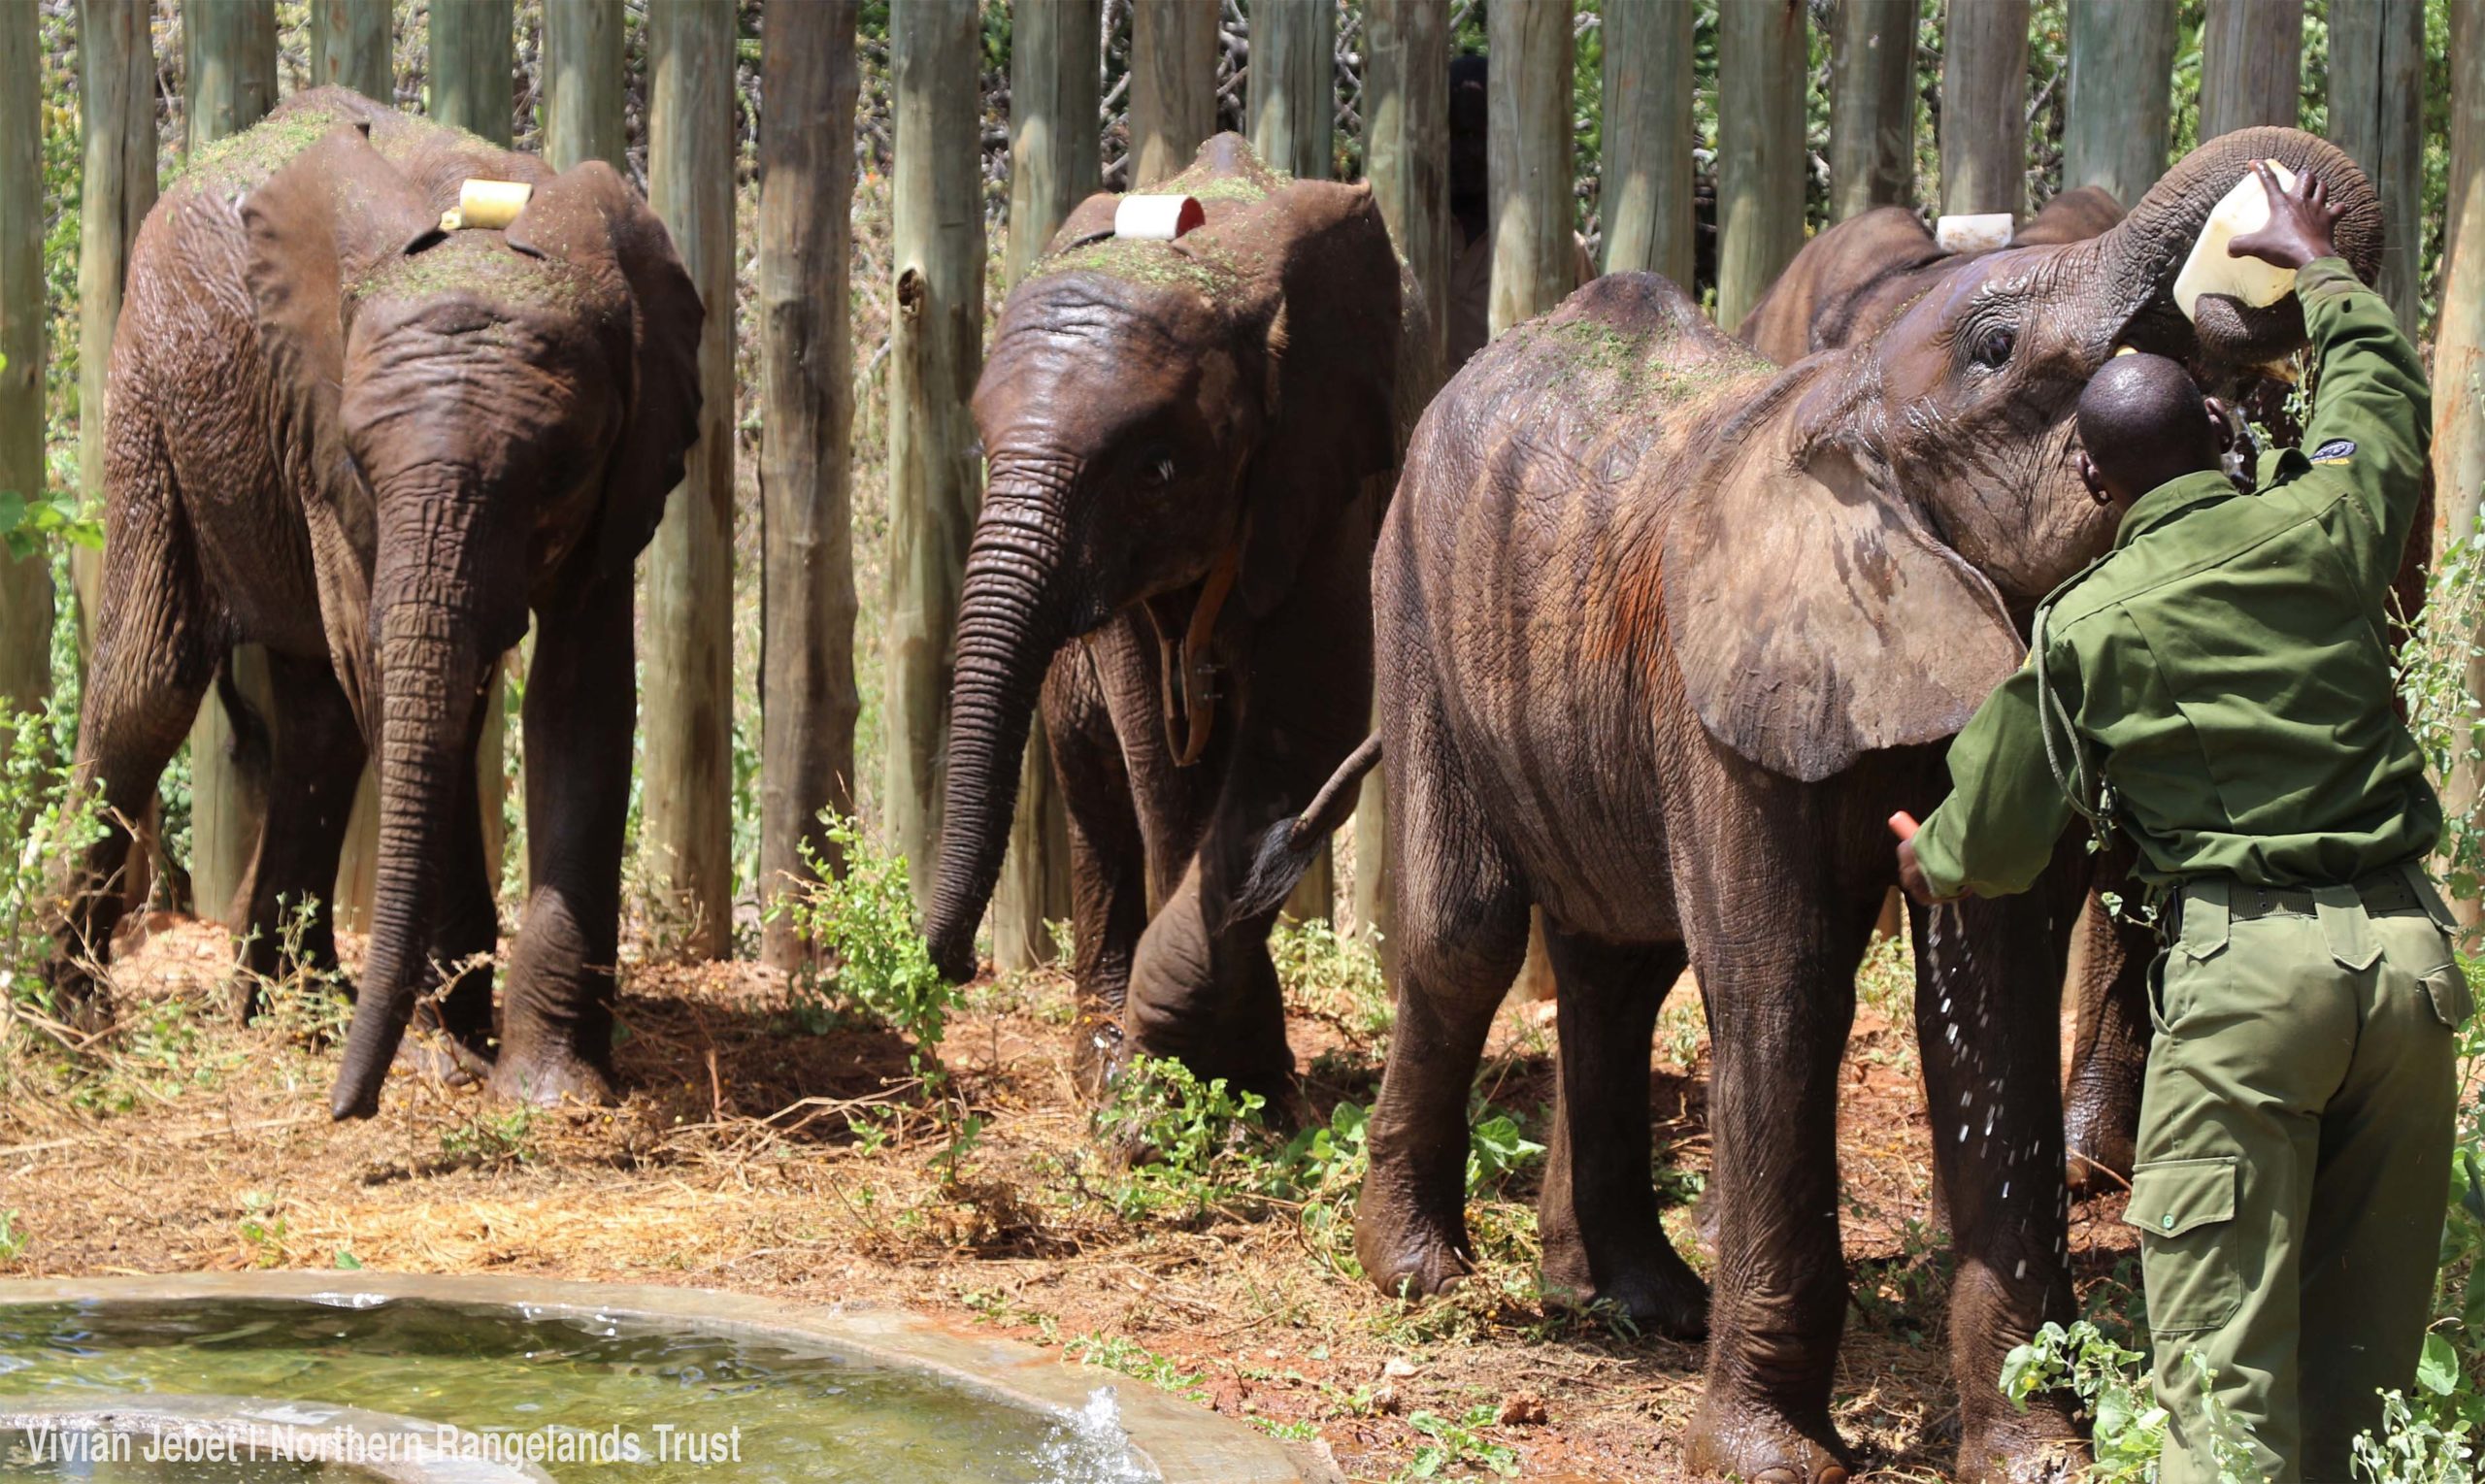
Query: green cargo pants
x=2295, y=1161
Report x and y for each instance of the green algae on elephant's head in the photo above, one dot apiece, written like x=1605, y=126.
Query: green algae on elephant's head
x=482, y=267
x=1615, y=366
x=250, y=157
x=1156, y=263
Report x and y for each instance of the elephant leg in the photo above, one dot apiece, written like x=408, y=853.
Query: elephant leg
x=582, y=697
x=156, y=650
x=1598, y=1213
x=1108, y=863
x=317, y=749
x=1777, y=932
x=1990, y=1039
x=1462, y=930
x=2108, y=983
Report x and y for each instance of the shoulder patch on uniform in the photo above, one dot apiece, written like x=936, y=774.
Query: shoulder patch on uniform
x=2337, y=450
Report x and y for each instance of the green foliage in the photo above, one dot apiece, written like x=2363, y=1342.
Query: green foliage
x=1332, y=975
x=2113, y=1385
x=1460, y=1443
x=51, y=820
x=2413, y=1448
x=488, y=1139
x=864, y=917
x=262, y=1230
x=2433, y=667
x=28, y=523
x=12, y=1242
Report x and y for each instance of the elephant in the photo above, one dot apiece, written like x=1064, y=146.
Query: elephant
x=1187, y=443
x=371, y=438
x=1663, y=632
x=1841, y=288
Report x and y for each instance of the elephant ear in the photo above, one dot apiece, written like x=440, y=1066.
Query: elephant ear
x=590, y=216
x=1330, y=348
x=1814, y=616
x=312, y=230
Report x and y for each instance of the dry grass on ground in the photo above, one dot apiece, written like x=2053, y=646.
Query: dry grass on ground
x=734, y=1163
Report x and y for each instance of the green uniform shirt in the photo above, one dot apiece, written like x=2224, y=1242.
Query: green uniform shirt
x=2225, y=671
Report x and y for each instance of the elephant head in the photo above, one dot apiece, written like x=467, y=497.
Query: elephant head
x=1164, y=422
x=472, y=420
x=1879, y=522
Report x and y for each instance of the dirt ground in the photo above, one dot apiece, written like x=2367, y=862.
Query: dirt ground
x=735, y=1163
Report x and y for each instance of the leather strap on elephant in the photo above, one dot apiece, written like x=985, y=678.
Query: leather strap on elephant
x=1190, y=705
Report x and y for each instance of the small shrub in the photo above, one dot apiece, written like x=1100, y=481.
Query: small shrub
x=12, y=1242
x=881, y=969
x=1332, y=975
x=49, y=821
x=1460, y=1443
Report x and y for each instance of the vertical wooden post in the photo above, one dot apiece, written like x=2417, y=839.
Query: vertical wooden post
x=1872, y=106
x=2116, y=112
x=808, y=702
x=1406, y=119
x=1054, y=73
x=582, y=82
x=232, y=85
x=25, y=584
x=2459, y=343
x=1645, y=195
x=686, y=782
x=2251, y=64
x=934, y=350
x=2459, y=335
x=1293, y=101
x=117, y=119
x=1984, y=108
x=349, y=46
x=1535, y=261
x=1759, y=177
x=232, y=66
x=2376, y=109
x=473, y=67
x=1172, y=85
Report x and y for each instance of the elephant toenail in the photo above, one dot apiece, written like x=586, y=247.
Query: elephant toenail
x=1777, y=1476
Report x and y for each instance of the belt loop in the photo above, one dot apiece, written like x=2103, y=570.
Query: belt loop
x=2427, y=896
x=2345, y=926
x=2203, y=928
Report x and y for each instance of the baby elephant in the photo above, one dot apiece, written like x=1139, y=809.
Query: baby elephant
x=371, y=443
x=1662, y=632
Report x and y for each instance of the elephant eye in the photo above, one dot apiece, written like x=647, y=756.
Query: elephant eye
x=1157, y=470
x=1994, y=347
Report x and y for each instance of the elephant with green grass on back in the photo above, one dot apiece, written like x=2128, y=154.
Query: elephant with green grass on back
x=373, y=444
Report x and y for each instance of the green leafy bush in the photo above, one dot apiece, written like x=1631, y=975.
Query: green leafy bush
x=880, y=967
x=50, y=820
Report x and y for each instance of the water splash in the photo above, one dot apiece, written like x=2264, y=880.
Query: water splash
x=1089, y=1446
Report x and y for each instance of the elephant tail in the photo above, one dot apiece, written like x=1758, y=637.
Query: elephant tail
x=1286, y=850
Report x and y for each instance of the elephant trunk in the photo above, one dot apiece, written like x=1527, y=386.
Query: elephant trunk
x=1009, y=622
x=2138, y=258
x=432, y=638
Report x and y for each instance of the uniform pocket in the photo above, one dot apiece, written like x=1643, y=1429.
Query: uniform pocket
x=2446, y=990
x=2185, y=1210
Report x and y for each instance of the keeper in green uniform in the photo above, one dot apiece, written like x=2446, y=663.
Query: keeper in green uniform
x=2218, y=686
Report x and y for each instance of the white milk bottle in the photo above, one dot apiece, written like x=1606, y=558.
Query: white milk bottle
x=2210, y=270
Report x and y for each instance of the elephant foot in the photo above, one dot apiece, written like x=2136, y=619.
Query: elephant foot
x=2097, y=1147
x=1410, y=1257
x=1661, y=1295
x=1753, y=1443
x=2038, y=1447
x=441, y=1058
x=548, y=1079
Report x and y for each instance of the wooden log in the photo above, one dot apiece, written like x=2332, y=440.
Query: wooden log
x=232, y=85
x=1984, y=109
x=2251, y=64
x=231, y=49
x=349, y=46
x=1054, y=163
x=1405, y=113
x=1292, y=102
x=1172, y=85
x=117, y=124
x=1645, y=193
x=2117, y=107
x=2376, y=108
x=1872, y=106
x=1535, y=256
x=1760, y=172
x=582, y=82
x=808, y=700
x=474, y=67
x=934, y=351
x=26, y=583
x=687, y=712
x=2459, y=344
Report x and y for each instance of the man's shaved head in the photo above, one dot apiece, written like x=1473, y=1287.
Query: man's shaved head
x=2143, y=422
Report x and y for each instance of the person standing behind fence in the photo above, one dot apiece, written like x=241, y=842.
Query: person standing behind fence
x=2219, y=687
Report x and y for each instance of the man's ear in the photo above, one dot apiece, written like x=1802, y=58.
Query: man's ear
x=2215, y=406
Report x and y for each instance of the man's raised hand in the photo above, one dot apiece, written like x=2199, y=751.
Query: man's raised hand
x=2303, y=222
